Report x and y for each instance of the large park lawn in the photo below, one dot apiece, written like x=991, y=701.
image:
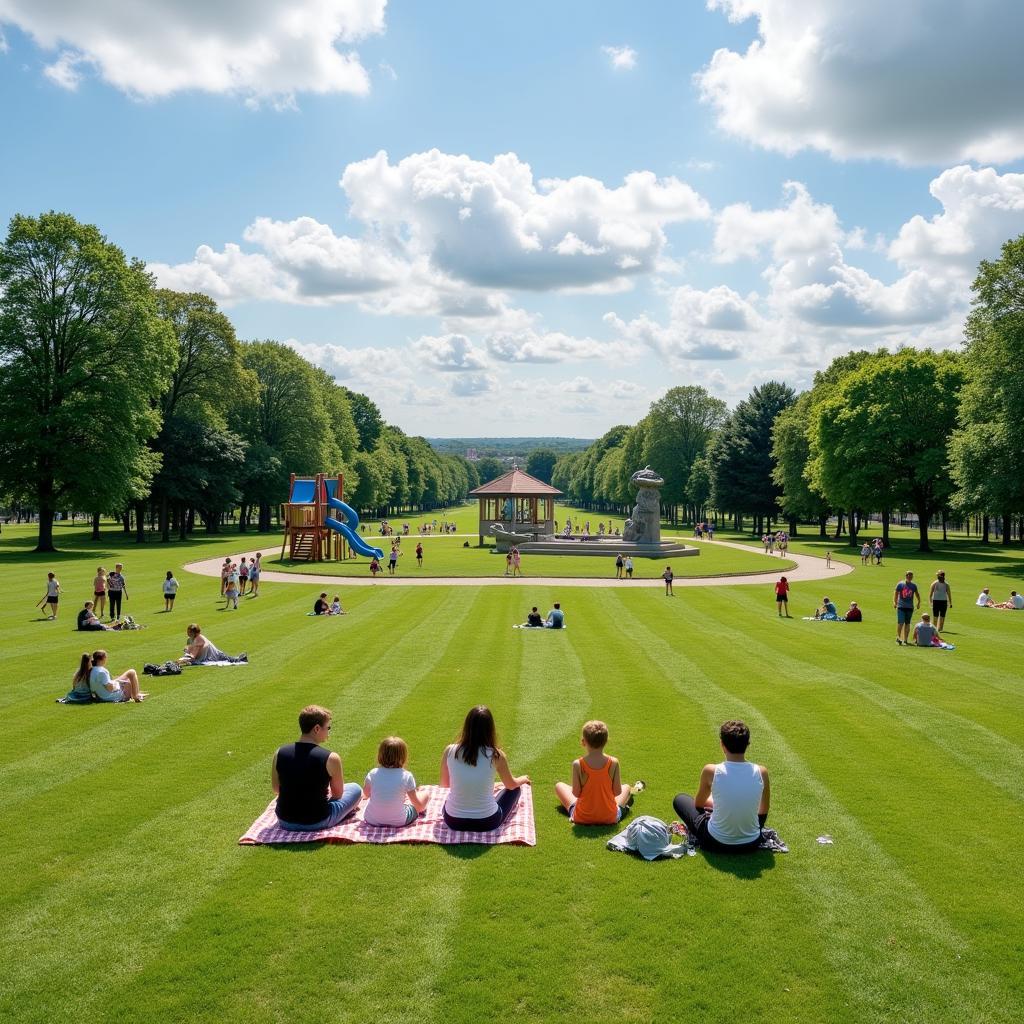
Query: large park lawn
x=125, y=896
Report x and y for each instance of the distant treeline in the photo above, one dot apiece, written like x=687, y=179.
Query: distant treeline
x=508, y=447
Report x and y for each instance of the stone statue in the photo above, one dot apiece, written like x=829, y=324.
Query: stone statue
x=644, y=526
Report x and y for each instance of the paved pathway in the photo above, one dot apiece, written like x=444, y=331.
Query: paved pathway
x=808, y=567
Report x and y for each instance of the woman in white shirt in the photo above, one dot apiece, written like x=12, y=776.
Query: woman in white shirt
x=468, y=768
x=170, y=591
x=119, y=690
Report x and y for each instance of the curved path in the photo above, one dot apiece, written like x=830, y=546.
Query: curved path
x=808, y=567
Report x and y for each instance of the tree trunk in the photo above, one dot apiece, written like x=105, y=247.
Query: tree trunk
x=984, y=529
x=839, y=525
x=140, y=522
x=886, y=516
x=126, y=520
x=853, y=521
x=264, y=522
x=242, y=517
x=1007, y=529
x=182, y=520
x=46, y=512
x=165, y=519
x=922, y=528
x=792, y=526
x=823, y=527
x=95, y=526
x=944, y=537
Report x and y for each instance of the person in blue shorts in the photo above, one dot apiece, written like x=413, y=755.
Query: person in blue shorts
x=904, y=599
x=556, y=617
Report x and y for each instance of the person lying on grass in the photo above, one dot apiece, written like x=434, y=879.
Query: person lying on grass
x=118, y=690
x=309, y=781
x=88, y=622
x=597, y=795
x=200, y=650
x=731, y=805
x=390, y=791
x=468, y=767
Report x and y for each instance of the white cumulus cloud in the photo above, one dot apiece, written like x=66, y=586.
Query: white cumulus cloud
x=919, y=81
x=621, y=58
x=259, y=49
x=450, y=353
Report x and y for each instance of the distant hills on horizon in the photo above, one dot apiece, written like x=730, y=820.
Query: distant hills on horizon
x=503, y=447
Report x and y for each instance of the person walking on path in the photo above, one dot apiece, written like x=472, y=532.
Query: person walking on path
x=782, y=596
x=116, y=589
x=903, y=600
x=940, y=596
x=629, y=567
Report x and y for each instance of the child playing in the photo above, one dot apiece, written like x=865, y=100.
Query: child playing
x=374, y=566
x=231, y=589
x=388, y=787
x=52, y=598
x=336, y=608
x=170, y=591
x=597, y=795
x=668, y=577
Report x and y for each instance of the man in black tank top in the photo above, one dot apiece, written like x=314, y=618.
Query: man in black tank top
x=309, y=781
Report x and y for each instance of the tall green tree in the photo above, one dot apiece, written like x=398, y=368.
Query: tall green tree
x=489, y=468
x=367, y=419
x=679, y=426
x=541, y=463
x=742, y=463
x=987, y=449
x=285, y=423
x=791, y=453
x=879, y=438
x=84, y=358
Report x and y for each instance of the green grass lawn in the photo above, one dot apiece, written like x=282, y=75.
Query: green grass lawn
x=125, y=896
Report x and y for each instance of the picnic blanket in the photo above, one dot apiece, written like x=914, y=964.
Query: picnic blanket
x=218, y=664
x=537, y=629
x=427, y=828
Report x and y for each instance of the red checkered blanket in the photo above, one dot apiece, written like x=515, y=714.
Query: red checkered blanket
x=428, y=828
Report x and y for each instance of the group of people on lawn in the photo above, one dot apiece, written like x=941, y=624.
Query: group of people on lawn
x=726, y=814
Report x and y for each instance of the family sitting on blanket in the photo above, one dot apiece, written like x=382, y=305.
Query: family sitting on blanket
x=312, y=793
x=201, y=651
x=555, y=619
x=828, y=613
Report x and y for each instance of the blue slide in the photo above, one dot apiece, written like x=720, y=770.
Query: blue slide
x=348, y=528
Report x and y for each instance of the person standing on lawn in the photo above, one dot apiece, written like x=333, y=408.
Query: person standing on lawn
x=782, y=596
x=903, y=600
x=116, y=589
x=940, y=596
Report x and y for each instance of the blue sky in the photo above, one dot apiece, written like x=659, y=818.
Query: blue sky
x=715, y=194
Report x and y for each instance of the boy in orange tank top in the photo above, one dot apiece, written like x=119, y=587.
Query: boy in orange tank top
x=597, y=795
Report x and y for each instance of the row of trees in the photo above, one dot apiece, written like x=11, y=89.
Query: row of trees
x=116, y=396
x=878, y=432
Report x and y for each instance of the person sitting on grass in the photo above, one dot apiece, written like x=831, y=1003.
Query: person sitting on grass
x=391, y=792
x=200, y=651
x=320, y=605
x=556, y=618
x=336, y=608
x=468, y=767
x=827, y=611
x=853, y=613
x=925, y=633
x=597, y=795
x=119, y=690
x=88, y=622
x=985, y=599
x=1014, y=604
x=309, y=781
x=732, y=800
x=534, y=620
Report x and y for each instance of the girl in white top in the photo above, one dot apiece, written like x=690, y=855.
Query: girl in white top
x=170, y=591
x=119, y=690
x=468, y=768
x=390, y=791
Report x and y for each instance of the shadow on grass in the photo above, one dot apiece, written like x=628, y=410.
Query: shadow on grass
x=468, y=851
x=312, y=847
x=741, y=865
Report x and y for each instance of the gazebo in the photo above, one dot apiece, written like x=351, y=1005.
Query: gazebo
x=517, y=502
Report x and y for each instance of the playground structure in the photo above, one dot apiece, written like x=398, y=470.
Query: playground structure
x=311, y=534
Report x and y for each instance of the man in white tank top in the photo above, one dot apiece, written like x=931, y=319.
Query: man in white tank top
x=732, y=798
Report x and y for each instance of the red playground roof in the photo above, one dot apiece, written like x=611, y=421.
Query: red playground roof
x=515, y=484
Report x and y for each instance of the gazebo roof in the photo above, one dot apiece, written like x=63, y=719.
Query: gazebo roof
x=515, y=484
